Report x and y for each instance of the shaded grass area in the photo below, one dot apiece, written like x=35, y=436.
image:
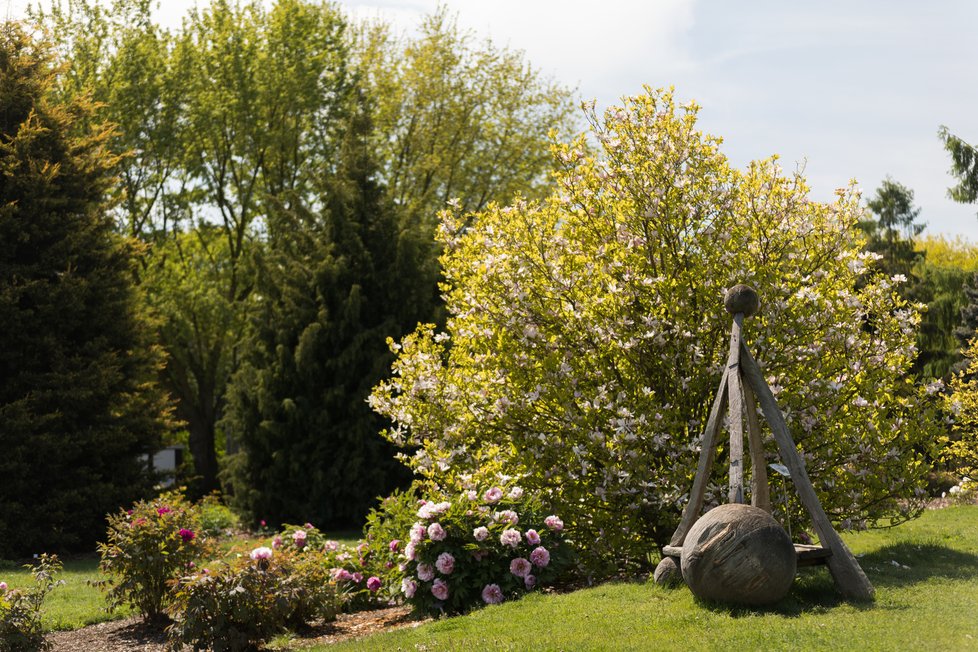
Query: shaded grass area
x=925, y=574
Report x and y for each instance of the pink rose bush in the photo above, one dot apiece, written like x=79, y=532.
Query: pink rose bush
x=480, y=547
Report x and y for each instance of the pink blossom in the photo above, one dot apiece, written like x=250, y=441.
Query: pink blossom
x=163, y=510
x=358, y=577
x=331, y=546
x=554, y=523
x=492, y=594
x=529, y=581
x=408, y=587
x=262, y=523
x=445, y=563
x=277, y=542
x=494, y=495
x=515, y=493
x=480, y=533
x=394, y=545
x=308, y=526
x=261, y=553
x=440, y=589
x=436, y=532
x=471, y=494
x=186, y=535
x=540, y=557
x=429, y=510
x=418, y=532
x=533, y=537
x=3, y=586
x=520, y=567
x=299, y=537
x=510, y=538
x=426, y=572
x=341, y=575
x=373, y=584
x=409, y=550
x=507, y=516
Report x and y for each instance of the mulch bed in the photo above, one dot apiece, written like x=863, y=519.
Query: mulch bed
x=133, y=634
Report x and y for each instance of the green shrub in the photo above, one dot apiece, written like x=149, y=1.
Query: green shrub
x=240, y=604
x=216, y=518
x=482, y=547
x=149, y=545
x=20, y=609
x=586, y=337
x=385, y=538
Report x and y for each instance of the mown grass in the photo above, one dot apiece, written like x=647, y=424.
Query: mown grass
x=925, y=574
x=77, y=603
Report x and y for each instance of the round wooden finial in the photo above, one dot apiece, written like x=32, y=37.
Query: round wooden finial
x=741, y=299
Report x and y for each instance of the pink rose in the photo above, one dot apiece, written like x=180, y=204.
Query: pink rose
x=426, y=572
x=331, y=546
x=554, y=523
x=299, y=538
x=520, y=567
x=277, y=542
x=358, y=577
x=445, y=563
x=494, y=495
x=261, y=553
x=436, y=532
x=540, y=557
x=492, y=594
x=440, y=589
x=533, y=537
x=373, y=584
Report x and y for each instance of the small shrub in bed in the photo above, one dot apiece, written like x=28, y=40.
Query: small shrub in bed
x=20, y=609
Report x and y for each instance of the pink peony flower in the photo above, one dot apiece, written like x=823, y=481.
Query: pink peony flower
x=492, y=594
x=277, y=542
x=529, y=581
x=472, y=495
x=341, y=575
x=440, y=589
x=3, y=586
x=163, y=510
x=331, y=546
x=426, y=572
x=520, y=567
x=409, y=550
x=394, y=545
x=357, y=577
x=554, y=523
x=418, y=532
x=533, y=537
x=409, y=587
x=445, y=563
x=540, y=557
x=299, y=538
x=262, y=523
x=494, y=495
x=261, y=553
x=436, y=532
x=373, y=584
x=430, y=510
x=480, y=533
x=515, y=493
x=308, y=526
x=510, y=538
x=186, y=535
x=507, y=516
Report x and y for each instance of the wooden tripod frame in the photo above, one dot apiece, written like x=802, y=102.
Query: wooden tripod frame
x=742, y=383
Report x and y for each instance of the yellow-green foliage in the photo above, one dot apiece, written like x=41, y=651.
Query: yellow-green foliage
x=960, y=448
x=587, y=335
x=942, y=251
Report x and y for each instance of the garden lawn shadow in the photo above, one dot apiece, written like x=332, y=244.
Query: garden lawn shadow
x=903, y=564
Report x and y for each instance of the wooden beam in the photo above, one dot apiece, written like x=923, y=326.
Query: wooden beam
x=707, y=451
x=735, y=402
x=848, y=576
x=760, y=491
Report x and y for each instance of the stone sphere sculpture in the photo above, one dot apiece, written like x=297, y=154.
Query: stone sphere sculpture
x=741, y=298
x=738, y=554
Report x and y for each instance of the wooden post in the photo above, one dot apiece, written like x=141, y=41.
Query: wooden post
x=735, y=403
x=848, y=576
x=760, y=492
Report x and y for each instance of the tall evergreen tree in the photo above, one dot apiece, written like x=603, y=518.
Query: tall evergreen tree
x=79, y=407
x=964, y=167
x=967, y=329
x=335, y=282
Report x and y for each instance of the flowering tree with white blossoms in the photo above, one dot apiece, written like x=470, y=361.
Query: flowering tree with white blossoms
x=586, y=336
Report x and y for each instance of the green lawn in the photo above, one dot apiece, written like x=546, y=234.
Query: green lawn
x=932, y=605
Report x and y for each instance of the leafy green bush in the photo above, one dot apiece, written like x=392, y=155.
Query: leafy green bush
x=149, y=545
x=385, y=538
x=216, y=518
x=20, y=609
x=587, y=336
x=241, y=604
x=482, y=547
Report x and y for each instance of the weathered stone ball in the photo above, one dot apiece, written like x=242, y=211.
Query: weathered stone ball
x=667, y=573
x=741, y=298
x=738, y=554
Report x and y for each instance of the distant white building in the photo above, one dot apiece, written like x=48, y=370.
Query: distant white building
x=165, y=464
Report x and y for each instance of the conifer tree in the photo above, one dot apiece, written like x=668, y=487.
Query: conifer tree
x=79, y=407
x=334, y=283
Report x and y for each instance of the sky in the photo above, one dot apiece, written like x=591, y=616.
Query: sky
x=852, y=89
